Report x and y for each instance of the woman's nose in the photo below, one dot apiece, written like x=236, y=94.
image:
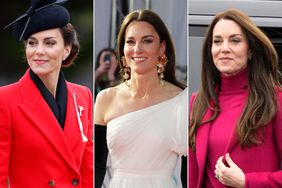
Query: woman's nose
x=137, y=47
x=225, y=47
x=40, y=49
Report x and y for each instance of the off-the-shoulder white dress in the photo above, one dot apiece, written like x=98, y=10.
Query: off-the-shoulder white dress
x=144, y=145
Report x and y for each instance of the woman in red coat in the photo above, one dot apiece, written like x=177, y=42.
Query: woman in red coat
x=45, y=121
x=236, y=117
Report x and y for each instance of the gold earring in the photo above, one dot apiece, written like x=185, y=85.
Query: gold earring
x=161, y=67
x=126, y=69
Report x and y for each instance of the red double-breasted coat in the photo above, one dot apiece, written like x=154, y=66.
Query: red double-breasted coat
x=34, y=150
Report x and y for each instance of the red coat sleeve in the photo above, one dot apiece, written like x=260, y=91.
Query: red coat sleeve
x=5, y=141
x=87, y=160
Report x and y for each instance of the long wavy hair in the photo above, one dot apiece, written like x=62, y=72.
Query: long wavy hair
x=263, y=81
x=154, y=20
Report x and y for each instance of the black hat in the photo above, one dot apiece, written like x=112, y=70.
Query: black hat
x=41, y=15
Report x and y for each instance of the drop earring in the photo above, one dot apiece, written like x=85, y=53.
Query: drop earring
x=126, y=70
x=161, y=67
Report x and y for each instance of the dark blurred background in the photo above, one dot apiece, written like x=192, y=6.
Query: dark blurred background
x=12, y=58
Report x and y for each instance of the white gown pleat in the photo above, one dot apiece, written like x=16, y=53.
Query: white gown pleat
x=144, y=145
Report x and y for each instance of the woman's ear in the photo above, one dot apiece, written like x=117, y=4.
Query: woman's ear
x=67, y=51
x=163, y=47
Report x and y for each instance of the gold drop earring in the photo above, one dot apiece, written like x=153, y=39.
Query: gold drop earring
x=161, y=67
x=126, y=70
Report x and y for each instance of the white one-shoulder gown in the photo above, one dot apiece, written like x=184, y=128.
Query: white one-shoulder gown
x=144, y=145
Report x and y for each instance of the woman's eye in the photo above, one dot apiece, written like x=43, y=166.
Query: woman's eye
x=216, y=41
x=31, y=43
x=50, y=43
x=148, y=41
x=235, y=41
x=129, y=42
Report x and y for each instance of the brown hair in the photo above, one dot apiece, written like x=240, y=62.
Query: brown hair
x=153, y=19
x=70, y=38
x=261, y=105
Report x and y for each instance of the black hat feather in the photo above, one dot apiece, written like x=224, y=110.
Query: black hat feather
x=41, y=15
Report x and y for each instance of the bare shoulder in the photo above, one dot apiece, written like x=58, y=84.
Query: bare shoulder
x=108, y=94
x=104, y=95
x=172, y=90
x=104, y=101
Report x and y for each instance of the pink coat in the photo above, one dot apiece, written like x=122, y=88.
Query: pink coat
x=34, y=150
x=261, y=164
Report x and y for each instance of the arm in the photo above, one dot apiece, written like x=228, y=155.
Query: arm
x=184, y=175
x=264, y=179
x=233, y=176
x=270, y=179
x=193, y=169
x=103, y=68
x=87, y=160
x=5, y=142
x=184, y=171
x=101, y=153
x=101, y=150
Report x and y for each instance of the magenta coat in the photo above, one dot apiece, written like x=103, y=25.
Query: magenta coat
x=261, y=164
x=34, y=150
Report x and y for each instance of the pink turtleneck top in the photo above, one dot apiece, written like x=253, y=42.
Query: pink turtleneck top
x=232, y=94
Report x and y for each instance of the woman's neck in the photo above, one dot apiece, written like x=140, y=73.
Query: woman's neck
x=142, y=86
x=235, y=82
x=50, y=81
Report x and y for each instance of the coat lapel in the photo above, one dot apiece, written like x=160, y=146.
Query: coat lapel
x=233, y=141
x=202, y=141
x=38, y=112
x=202, y=144
x=72, y=130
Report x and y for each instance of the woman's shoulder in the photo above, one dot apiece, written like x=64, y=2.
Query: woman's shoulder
x=10, y=89
x=108, y=95
x=104, y=103
x=76, y=86
x=78, y=89
x=109, y=92
x=174, y=90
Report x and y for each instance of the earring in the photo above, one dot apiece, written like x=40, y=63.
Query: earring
x=161, y=67
x=250, y=56
x=126, y=69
